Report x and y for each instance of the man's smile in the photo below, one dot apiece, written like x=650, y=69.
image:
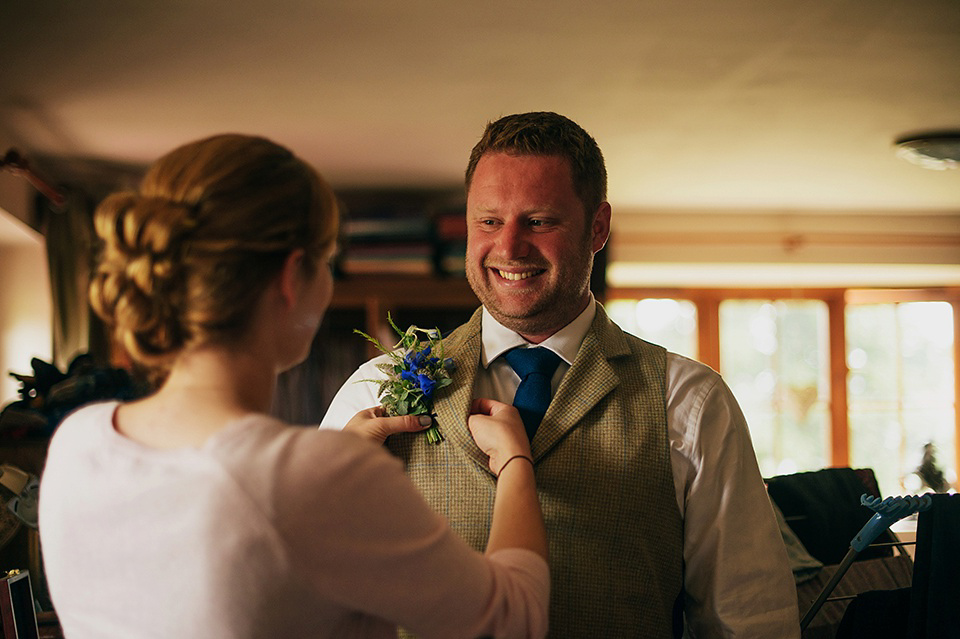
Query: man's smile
x=517, y=276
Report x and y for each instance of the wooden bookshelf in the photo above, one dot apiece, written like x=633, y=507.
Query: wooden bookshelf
x=362, y=302
x=398, y=291
x=429, y=301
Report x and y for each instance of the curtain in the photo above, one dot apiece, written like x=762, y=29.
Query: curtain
x=68, y=230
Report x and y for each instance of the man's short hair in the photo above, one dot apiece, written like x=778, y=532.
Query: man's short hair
x=546, y=133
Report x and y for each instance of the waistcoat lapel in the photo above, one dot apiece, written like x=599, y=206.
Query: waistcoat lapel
x=452, y=403
x=586, y=383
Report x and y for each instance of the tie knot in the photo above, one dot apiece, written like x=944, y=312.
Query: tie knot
x=526, y=361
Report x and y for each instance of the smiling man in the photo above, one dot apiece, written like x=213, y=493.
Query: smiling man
x=657, y=518
x=530, y=242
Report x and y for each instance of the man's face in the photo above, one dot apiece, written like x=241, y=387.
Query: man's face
x=530, y=244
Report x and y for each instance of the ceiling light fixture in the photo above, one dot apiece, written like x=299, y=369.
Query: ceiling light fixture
x=939, y=150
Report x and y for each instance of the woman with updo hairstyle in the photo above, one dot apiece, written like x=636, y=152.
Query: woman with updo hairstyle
x=191, y=512
x=186, y=258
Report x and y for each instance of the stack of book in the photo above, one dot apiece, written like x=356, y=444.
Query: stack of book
x=402, y=232
x=388, y=246
x=451, y=235
x=386, y=233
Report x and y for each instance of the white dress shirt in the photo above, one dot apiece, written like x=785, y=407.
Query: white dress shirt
x=737, y=579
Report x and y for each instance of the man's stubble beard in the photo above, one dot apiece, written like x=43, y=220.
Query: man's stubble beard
x=548, y=313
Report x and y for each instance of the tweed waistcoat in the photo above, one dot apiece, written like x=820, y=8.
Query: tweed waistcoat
x=602, y=464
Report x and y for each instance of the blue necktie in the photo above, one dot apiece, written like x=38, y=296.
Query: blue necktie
x=536, y=367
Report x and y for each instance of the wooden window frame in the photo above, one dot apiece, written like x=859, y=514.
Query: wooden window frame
x=707, y=302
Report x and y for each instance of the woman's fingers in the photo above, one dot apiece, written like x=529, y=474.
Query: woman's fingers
x=372, y=423
x=486, y=406
x=498, y=431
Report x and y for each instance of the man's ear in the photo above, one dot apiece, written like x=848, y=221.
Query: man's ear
x=600, y=230
x=291, y=277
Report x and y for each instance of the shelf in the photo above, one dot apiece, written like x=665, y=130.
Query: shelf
x=396, y=291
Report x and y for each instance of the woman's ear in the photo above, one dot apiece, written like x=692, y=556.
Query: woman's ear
x=291, y=277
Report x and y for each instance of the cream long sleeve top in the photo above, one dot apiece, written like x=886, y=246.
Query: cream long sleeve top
x=265, y=531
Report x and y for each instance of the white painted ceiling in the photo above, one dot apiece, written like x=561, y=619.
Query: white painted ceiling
x=750, y=105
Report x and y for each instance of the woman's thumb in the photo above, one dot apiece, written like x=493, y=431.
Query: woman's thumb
x=409, y=423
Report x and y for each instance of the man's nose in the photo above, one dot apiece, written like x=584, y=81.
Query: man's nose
x=513, y=241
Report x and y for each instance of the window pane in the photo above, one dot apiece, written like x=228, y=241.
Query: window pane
x=901, y=390
x=774, y=357
x=667, y=322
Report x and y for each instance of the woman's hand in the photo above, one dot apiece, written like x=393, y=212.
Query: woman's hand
x=517, y=520
x=373, y=424
x=498, y=431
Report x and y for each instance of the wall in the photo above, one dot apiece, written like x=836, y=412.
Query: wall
x=25, y=303
x=731, y=249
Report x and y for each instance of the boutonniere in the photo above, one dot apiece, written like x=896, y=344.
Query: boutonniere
x=416, y=370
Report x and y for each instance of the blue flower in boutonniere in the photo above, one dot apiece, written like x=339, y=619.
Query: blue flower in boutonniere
x=416, y=370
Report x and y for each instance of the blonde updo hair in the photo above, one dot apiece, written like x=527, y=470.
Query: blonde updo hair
x=185, y=259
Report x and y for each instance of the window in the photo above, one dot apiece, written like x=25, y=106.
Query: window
x=668, y=322
x=825, y=377
x=773, y=355
x=900, y=390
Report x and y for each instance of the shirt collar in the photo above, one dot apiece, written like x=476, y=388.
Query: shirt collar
x=497, y=339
